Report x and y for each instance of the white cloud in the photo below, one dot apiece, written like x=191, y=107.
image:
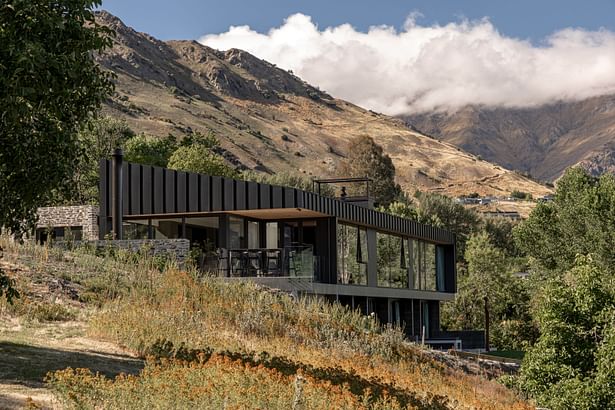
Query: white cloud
x=437, y=67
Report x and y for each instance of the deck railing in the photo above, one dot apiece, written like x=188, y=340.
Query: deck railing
x=290, y=261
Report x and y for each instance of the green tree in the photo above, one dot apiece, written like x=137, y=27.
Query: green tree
x=572, y=364
x=199, y=158
x=49, y=86
x=367, y=159
x=442, y=211
x=144, y=149
x=97, y=140
x=489, y=289
x=579, y=221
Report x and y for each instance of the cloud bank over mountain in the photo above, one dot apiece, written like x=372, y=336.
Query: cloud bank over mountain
x=440, y=67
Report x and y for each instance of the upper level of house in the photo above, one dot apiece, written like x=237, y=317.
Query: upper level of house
x=244, y=228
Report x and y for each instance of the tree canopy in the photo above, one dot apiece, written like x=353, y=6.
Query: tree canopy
x=49, y=86
x=572, y=364
x=367, y=159
x=579, y=221
x=199, y=158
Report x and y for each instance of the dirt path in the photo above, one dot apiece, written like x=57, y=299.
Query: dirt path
x=29, y=351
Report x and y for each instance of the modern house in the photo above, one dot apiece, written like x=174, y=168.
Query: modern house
x=394, y=268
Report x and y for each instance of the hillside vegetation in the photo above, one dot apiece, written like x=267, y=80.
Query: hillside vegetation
x=212, y=344
x=269, y=120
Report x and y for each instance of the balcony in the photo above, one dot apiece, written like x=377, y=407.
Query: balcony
x=297, y=261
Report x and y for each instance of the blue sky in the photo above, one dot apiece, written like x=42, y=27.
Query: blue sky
x=526, y=19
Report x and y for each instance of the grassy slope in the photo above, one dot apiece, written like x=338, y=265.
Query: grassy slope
x=254, y=348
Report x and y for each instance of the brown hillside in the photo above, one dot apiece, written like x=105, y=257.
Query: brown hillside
x=270, y=120
x=543, y=141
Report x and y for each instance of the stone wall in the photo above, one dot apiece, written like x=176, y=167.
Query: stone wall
x=85, y=216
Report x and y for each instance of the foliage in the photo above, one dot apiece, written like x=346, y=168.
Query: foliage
x=7, y=284
x=49, y=86
x=571, y=365
x=170, y=313
x=579, y=221
x=198, y=158
x=521, y=195
x=444, y=212
x=210, y=381
x=403, y=209
x=367, y=159
x=144, y=149
x=285, y=179
x=97, y=140
x=500, y=231
x=488, y=276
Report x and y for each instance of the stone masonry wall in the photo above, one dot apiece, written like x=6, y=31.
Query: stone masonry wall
x=83, y=215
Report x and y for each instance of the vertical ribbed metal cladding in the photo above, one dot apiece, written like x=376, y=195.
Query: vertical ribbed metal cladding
x=300, y=195
x=289, y=197
x=182, y=192
x=136, y=186
x=252, y=195
x=158, y=189
x=277, y=200
x=229, y=194
x=104, y=189
x=216, y=193
x=193, y=192
x=205, y=193
x=265, y=194
x=126, y=188
x=240, y=195
x=170, y=191
x=147, y=194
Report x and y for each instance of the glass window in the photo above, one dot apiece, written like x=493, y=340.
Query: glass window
x=135, y=230
x=167, y=228
x=392, y=261
x=422, y=262
x=236, y=239
x=351, y=255
x=253, y=231
x=440, y=285
x=272, y=235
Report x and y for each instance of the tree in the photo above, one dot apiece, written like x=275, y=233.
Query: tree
x=579, y=221
x=442, y=211
x=490, y=297
x=150, y=150
x=49, y=86
x=97, y=140
x=367, y=159
x=198, y=158
x=572, y=364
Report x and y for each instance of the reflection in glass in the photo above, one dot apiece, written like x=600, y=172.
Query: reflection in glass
x=352, y=255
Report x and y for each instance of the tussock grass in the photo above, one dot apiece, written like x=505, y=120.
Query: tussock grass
x=238, y=345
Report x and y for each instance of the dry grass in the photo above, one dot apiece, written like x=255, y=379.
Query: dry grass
x=255, y=342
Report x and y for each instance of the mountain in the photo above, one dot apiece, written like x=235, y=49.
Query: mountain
x=268, y=119
x=542, y=141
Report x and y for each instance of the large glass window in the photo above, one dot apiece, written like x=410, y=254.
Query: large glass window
x=236, y=232
x=272, y=235
x=253, y=231
x=167, y=228
x=422, y=260
x=392, y=261
x=351, y=255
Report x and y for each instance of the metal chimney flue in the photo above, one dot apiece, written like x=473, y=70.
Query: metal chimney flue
x=117, y=160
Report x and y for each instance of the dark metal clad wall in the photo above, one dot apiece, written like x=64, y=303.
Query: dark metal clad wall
x=154, y=190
